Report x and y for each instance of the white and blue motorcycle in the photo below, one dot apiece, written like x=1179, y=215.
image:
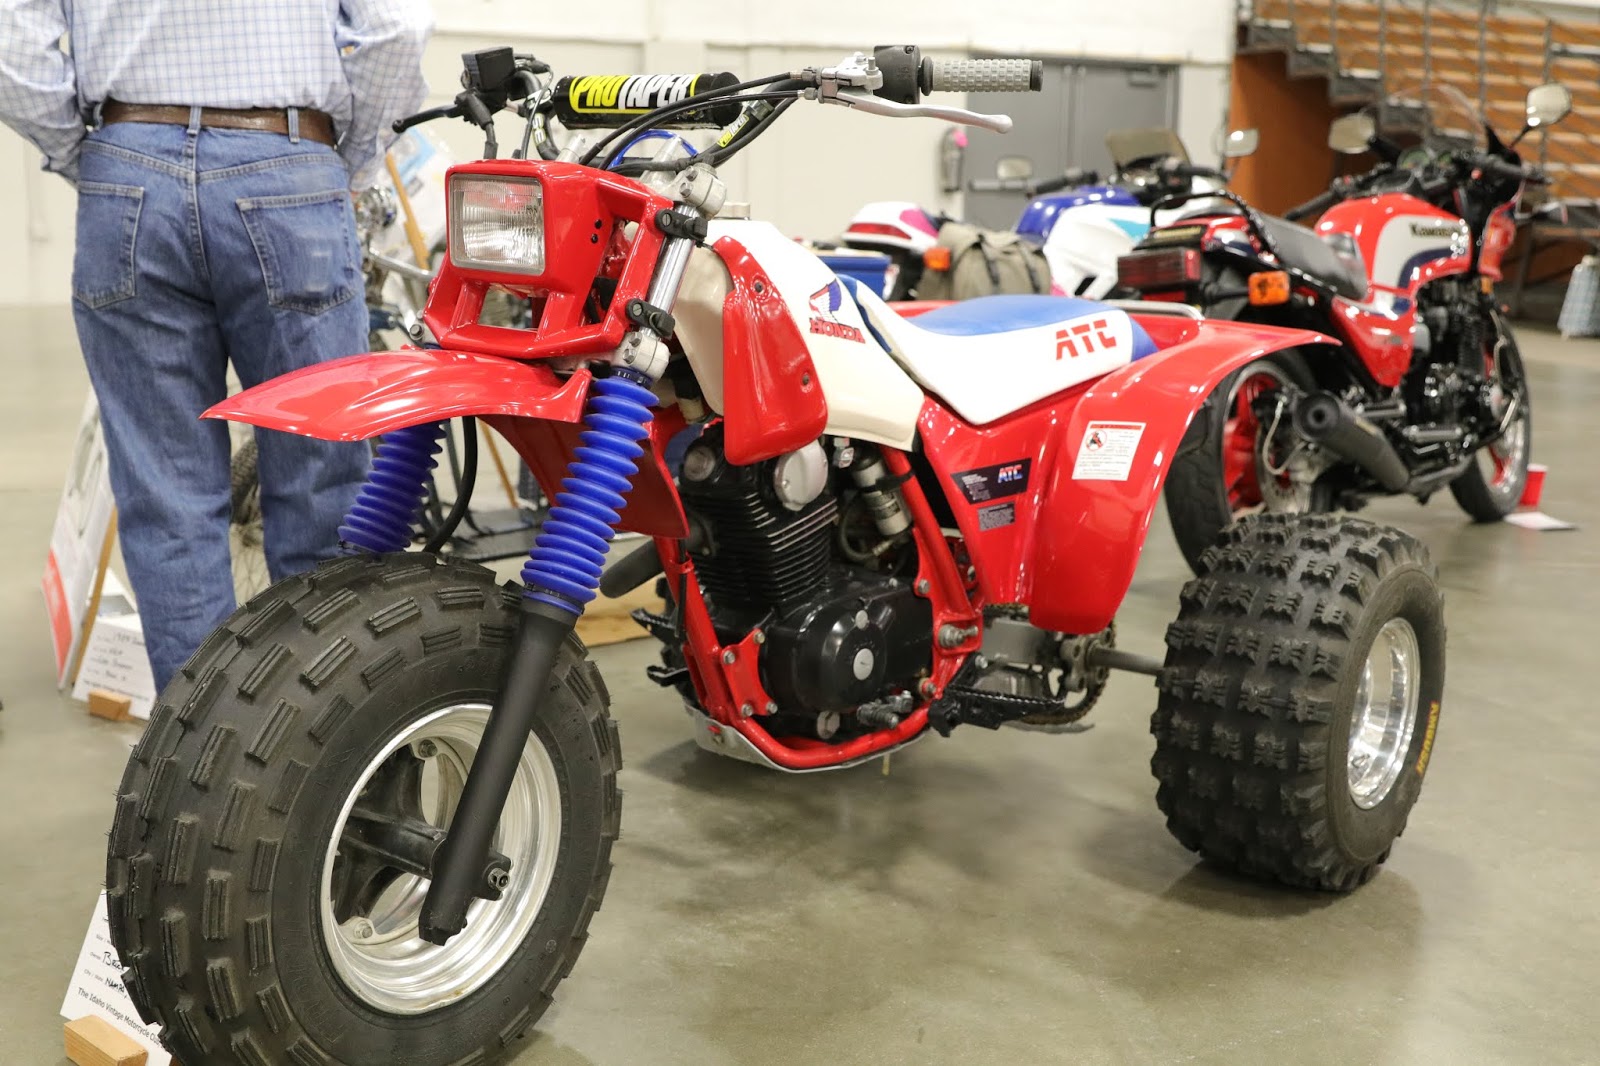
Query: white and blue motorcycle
x=1080, y=223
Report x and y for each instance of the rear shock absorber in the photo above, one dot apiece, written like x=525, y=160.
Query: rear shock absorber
x=564, y=568
x=389, y=504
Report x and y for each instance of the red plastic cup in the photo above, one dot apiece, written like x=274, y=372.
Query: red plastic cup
x=1535, y=484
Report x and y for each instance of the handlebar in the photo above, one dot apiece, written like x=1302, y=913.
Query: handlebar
x=443, y=111
x=607, y=101
x=1498, y=167
x=1314, y=206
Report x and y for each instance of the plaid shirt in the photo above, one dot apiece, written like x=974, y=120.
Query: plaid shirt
x=357, y=60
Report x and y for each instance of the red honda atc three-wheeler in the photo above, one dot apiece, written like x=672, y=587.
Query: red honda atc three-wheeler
x=371, y=819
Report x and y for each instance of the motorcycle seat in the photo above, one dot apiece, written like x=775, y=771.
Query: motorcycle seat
x=993, y=355
x=1304, y=250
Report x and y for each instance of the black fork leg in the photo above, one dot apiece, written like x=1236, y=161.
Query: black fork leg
x=463, y=862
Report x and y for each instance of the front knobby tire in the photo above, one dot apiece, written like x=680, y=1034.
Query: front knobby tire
x=1263, y=676
x=227, y=815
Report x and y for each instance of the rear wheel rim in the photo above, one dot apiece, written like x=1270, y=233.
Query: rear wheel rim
x=1385, y=713
x=377, y=954
x=1241, y=437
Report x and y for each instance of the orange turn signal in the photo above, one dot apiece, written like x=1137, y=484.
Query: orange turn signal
x=1269, y=287
x=936, y=258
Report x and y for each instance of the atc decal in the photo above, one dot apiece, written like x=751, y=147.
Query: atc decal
x=825, y=303
x=1085, y=338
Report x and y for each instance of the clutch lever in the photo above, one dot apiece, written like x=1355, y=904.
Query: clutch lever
x=876, y=105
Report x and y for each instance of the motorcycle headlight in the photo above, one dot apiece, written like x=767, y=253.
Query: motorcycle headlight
x=497, y=224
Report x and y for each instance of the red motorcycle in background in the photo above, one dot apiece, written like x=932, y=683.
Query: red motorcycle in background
x=1427, y=389
x=371, y=819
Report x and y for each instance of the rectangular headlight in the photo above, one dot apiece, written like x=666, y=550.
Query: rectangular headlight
x=497, y=223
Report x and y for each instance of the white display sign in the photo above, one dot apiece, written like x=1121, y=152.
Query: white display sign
x=1107, y=451
x=77, y=542
x=421, y=160
x=96, y=988
x=114, y=658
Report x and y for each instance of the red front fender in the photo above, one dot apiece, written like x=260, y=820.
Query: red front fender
x=1089, y=539
x=366, y=396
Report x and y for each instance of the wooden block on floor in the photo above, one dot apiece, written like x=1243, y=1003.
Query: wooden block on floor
x=112, y=706
x=93, y=1041
x=607, y=621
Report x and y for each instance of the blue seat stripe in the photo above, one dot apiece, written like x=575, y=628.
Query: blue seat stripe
x=987, y=315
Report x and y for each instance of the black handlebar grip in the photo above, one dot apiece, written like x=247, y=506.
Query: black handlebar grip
x=981, y=75
x=1314, y=206
x=605, y=101
x=1500, y=168
x=1050, y=185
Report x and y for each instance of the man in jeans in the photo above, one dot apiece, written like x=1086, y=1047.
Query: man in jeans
x=214, y=225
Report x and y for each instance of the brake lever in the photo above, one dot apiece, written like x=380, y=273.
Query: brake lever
x=876, y=105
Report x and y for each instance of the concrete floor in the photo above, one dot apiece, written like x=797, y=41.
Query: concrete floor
x=992, y=898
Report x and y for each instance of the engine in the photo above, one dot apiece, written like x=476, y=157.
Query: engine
x=813, y=548
x=1450, y=405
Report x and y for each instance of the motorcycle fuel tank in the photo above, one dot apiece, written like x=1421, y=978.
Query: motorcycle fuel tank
x=1040, y=215
x=1406, y=241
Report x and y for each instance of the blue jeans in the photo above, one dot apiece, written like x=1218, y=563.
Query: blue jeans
x=197, y=247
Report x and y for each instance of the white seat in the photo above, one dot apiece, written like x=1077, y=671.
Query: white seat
x=994, y=355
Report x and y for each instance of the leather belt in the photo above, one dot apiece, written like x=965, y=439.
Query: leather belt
x=314, y=125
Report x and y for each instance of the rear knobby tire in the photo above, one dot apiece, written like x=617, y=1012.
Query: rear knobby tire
x=1492, y=486
x=229, y=803
x=1196, y=491
x=1263, y=667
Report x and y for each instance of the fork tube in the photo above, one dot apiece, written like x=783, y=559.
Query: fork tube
x=559, y=578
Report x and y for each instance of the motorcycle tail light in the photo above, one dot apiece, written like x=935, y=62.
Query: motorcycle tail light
x=1159, y=268
x=497, y=223
x=875, y=229
x=936, y=258
x=1269, y=288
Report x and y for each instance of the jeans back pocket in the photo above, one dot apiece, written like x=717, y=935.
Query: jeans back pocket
x=306, y=246
x=103, y=270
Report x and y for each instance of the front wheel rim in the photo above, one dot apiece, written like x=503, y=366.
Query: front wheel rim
x=378, y=954
x=1385, y=713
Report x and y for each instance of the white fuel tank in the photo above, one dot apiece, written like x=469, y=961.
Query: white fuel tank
x=869, y=396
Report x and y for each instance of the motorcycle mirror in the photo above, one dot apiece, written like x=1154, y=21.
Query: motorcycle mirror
x=1352, y=134
x=1013, y=168
x=1240, y=143
x=1548, y=104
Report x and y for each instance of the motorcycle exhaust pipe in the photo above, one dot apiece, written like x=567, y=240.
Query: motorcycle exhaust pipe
x=1325, y=419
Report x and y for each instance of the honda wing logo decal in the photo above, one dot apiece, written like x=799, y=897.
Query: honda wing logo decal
x=825, y=304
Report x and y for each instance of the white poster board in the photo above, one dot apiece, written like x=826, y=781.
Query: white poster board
x=421, y=159
x=114, y=658
x=83, y=520
x=96, y=988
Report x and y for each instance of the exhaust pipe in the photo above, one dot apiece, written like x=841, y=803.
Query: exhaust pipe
x=1325, y=419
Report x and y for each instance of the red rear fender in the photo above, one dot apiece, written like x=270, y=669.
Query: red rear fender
x=1064, y=536
x=1093, y=527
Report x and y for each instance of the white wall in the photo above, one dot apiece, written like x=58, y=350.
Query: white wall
x=812, y=170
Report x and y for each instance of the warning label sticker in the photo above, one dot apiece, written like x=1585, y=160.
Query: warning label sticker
x=1107, y=451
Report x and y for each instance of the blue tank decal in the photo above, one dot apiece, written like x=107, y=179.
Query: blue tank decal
x=1135, y=230
x=1040, y=214
x=1002, y=314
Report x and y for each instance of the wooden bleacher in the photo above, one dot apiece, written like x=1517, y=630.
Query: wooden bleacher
x=1389, y=53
